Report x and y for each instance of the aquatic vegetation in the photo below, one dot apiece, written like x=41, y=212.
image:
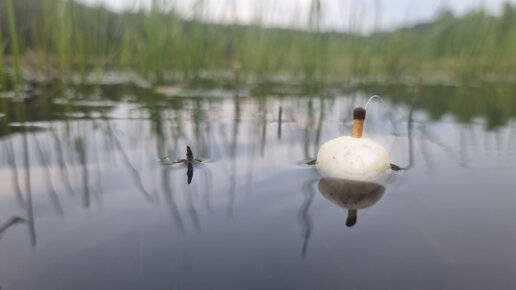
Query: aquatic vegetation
x=13, y=42
x=83, y=172
x=161, y=43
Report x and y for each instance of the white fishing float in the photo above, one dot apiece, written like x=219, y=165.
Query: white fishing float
x=354, y=157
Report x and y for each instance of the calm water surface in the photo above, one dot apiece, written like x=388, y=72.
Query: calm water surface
x=94, y=170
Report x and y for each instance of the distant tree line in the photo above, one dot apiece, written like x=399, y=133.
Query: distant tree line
x=63, y=36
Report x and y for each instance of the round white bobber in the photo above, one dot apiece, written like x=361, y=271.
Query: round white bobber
x=354, y=157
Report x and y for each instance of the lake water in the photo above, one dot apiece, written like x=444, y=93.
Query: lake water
x=90, y=197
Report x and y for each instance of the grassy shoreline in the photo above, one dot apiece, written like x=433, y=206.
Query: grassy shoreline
x=60, y=37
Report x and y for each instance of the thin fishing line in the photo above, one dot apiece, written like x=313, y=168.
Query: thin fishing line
x=371, y=98
x=383, y=102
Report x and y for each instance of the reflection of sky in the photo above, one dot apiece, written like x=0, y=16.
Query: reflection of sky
x=250, y=213
x=339, y=14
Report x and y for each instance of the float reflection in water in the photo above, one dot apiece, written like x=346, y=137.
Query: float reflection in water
x=351, y=195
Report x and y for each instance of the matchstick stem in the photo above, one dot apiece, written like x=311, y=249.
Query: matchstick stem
x=358, y=122
x=358, y=128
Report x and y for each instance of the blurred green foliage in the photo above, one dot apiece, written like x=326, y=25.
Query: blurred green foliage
x=64, y=36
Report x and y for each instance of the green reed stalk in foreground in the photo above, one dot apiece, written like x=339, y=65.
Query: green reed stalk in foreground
x=13, y=36
x=74, y=37
x=3, y=81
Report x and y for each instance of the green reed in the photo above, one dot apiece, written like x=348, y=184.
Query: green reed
x=3, y=80
x=75, y=38
x=13, y=40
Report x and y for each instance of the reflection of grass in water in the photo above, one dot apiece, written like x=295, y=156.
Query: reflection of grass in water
x=182, y=112
x=13, y=221
x=495, y=102
x=492, y=102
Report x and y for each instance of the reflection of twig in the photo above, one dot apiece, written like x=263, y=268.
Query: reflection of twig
x=264, y=134
x=48, y=178
x=167, y=191
x=165, y=174
x=12, y=163
x=79, y=147
x=30, y=212
x=191, y=209
x=232, y=151
x=208, y=186
x=134, y=172
x=432, y=139
x=251, y=152
x=304, y=217
x=10, y=223
x=189, y=172
x=98, y=169
x=250, y=166
x=62, y=164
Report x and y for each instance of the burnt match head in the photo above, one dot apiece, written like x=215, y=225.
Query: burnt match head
x=352, y=218
x=359, y=113
x=351, y=221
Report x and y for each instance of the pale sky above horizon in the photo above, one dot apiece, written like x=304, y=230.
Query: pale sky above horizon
x=342, y=15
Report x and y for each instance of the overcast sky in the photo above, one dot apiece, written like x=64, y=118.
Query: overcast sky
x=342, y=15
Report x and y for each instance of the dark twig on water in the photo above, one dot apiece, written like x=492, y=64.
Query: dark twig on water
x=409, y=125
x=189, y=154
x=279, y=122
x=189, y=172
x=189, y=160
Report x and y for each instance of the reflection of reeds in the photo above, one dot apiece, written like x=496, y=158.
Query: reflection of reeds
x=62, y=165
x=264, y=130
x=243, y=139
x=304, y=217
x=30, y=210
x=48, y=177
x=191, y=207
x=81, y=151
x=13, y=221
x=208, y=187
x=11, y=160
x=132, y=170
x=98, y=169
x=169, y=197
x=232, y=155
